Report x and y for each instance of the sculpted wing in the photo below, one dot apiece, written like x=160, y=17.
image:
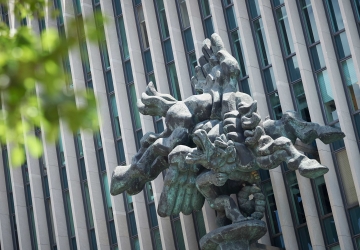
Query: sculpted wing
x=180, y=193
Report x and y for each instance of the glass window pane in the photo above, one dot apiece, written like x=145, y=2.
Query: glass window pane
x=230, y=15
x=157, y=239
x=33, y=228
x=271, y=207
x=153, y=218
x=239, y=52
x=342, y=45
x=179, y=235
x=117, y=8
x=133, y=229
x=199, y=217
x=64, y=178
x=205, y=8
x=69, y=213
x=112, y=232
x=51, y=221
x=88, y=205
x=285, y=32
x=357, y=124
x=148, y=61
x=143, y=30
x=254, y=8
x=264, y=174
x=269, y=80
x=327, y=96
x=245, y=87
x=159, y=126
x=136, y=243
x=109, y=82
x=295, y=197
x=301, y=103
x=352, y=83
x=293, y=68
x=209, y=27
x=152, y=79
x=279, y=241
x=277, y=2
x=133, y=101
x=304, y=236
x=309, y=19
x=168, y=51
x=149, y=192
x=115, y=116
x=193, y=63
x=188, y=40
x=261, y=42
x=124, y=44
x=357, y=8
x=318, y=57
x=105, y=54
x=102, y=160
x=322, y=195
x=107, y=196
x=121, y=151
x=162, y=16
x=276, y=106
x=330, y=230
x=174, y=82
x=184, y=14
x=355, y=219
x=335, y=15
x=128, y=72
x=82, y=169
x=346, y=177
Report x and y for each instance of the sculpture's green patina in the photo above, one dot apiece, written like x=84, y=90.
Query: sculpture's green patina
x=213, y=145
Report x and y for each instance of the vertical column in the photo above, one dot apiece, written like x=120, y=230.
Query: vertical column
x=155, y=47
x=57, y=208
x=166, y=233
x=188, y=230
x=309, y=84
x=282, y=84
x=339, y=93
x=276, y=56
x=77, y=204
x=22, y=221
x=105, y=123
x=135, y=55
x=352, y=34
x=197, y=29
x=178, y=49
x=219, y=21
x=140, y=85
x=251, y=62
x=37, y=197
x=92, y=171
x=6, y=237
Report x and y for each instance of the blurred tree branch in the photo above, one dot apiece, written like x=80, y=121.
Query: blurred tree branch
x=34, y=88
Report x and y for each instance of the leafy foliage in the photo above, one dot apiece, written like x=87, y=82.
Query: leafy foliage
x=34, y=88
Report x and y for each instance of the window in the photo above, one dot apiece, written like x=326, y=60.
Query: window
x=142, y=24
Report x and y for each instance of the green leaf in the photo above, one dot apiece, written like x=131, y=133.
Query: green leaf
x=34, y=145
x=17, y=156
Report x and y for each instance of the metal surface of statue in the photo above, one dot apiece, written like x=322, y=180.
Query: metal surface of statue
x=213, y=146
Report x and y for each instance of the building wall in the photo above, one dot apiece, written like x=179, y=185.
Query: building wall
x=301, y=55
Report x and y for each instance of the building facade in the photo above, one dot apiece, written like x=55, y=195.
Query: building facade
x=301, y=55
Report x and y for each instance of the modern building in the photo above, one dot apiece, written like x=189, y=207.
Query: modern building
x=299, y=55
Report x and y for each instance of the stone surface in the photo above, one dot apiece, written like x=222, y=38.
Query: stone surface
x=236, y=236
x=212, y=147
